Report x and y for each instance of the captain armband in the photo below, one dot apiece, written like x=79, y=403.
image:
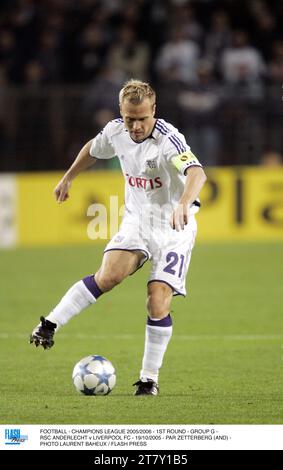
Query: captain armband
x=185, y=160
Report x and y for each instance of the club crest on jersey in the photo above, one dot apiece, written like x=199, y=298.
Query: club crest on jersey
x=151, y=164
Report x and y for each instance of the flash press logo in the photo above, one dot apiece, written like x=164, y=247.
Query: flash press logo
x=14, y=437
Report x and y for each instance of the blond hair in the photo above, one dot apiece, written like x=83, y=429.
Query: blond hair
x=136, y=91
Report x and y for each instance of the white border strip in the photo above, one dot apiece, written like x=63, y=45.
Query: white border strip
x=141, y=437
x=8, y=211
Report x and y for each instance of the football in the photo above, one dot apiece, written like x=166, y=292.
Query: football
x=94, y=375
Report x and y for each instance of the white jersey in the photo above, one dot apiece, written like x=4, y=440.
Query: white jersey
x=154, y=169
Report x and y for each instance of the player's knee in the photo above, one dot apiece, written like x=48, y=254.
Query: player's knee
x=106, y=280
x=155, y=307
x=159, y=300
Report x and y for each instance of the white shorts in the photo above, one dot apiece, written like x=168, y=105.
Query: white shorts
x=170, y=251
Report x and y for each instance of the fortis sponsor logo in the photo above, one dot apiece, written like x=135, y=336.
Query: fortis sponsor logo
x=144, y=183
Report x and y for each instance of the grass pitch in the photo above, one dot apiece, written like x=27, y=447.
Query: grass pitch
x=223, y=364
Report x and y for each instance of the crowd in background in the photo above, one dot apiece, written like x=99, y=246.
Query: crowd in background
x=217, y=67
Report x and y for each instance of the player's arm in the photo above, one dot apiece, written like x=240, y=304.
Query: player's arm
x=194, y=182
x=83, y=161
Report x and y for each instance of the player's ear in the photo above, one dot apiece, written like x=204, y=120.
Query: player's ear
x=153, y=109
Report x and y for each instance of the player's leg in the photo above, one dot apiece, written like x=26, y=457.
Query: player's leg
x=159, y=298
x=116, y=265
x=170, y=262
x=157, y=336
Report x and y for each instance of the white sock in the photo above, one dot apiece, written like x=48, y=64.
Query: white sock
x=156, y=342
x=74, y=301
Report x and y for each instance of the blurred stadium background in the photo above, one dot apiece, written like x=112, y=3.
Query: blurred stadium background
x=217, y=66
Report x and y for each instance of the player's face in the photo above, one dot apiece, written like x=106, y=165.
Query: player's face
x=139, y=119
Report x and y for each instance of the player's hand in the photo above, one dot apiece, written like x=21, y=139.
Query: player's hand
x=61, y=192
x=180, y=217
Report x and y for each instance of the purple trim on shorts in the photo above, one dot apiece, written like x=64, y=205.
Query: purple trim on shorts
x=166, y=321
x=176, y=292
x=91, y=285
x=133, y=249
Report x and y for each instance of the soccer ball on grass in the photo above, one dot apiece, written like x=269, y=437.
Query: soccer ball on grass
x=94, y=375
